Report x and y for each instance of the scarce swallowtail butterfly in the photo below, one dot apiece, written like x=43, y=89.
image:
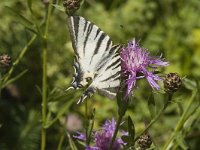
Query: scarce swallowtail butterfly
x=97, y=61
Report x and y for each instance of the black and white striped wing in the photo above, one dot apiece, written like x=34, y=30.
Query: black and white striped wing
x=90, y=44
x=95, y=57
x=107, y=82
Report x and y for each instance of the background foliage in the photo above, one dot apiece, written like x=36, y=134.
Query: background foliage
x=169, y=27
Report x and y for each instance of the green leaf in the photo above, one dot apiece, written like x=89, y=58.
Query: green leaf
x=60, y=8
x=122, y=103
x=151, y=106
x=180, y=106
x=59, y=95
x=189, y=84
x=119, y=98
x=198, y=89
x=159, y=102
x=29, y=2
x=14, y=78
x=180, y=141
x=63, y=108
x=131, y=131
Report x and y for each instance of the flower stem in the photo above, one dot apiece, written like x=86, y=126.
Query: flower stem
x=157, y=117
x=23, y=51
x=0, y=84
x=60, y=142
x=71, y=143
x=86, y=122
x=180, y=122
x=44, y=77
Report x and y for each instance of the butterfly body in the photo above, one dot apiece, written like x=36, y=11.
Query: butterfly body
x=97, y=61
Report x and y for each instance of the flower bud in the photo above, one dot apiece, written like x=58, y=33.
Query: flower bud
x=45, y=2
x=172, y=82
x=5, y=61
x=71, y=6
x=144, y=141
x=73, y=123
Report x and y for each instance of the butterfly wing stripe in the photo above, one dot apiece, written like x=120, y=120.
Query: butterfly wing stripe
x=116, y=63
x=98, y=46
x=112, y=77
x=112, y=90
x=86, y=38
x=99, y=53
x=73, y=29
x=102, y=63
x=114, y=50
x=85, y=26
x=99, y=43
x=76, y=27
x=108, y=93
x=97, y=33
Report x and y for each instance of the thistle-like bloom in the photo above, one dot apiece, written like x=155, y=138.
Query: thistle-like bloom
x=102, y=138
x=135, y=61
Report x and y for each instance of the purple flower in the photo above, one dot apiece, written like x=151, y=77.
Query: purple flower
x=103, y=137
x=136, y=64
x=80, y=136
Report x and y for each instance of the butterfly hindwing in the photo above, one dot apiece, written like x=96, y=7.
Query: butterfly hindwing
x=107, y=82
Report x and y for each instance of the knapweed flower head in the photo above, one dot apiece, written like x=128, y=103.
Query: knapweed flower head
x=144, y=141
x=103, y=137
x=5, y=61
x=135, y=61
x=172, y=82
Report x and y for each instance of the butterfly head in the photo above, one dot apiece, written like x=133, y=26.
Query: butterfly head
x=82, y=80
x=87, y=79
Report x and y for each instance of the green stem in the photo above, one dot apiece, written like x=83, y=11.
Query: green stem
x=44, y=78
x=180, y=122
x=71, y=143
x=90, y=131
x=23, y=51
x=86, y=122
x=60, y=142
x=0, y=84
x=122, y=108
x=156, y=118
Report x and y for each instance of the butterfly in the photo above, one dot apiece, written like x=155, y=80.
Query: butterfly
x=97, y=61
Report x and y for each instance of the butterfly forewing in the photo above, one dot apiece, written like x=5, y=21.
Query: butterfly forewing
x=90, y=43
x=96, y=58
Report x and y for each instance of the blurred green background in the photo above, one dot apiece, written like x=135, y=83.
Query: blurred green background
x=169, y=27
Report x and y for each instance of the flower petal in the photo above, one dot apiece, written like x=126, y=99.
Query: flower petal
x=136, y=60
x=80, y=136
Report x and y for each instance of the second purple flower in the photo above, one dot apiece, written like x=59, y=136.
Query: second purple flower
x=103, y=137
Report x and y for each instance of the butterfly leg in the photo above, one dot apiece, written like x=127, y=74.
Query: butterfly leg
x=88, y=93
